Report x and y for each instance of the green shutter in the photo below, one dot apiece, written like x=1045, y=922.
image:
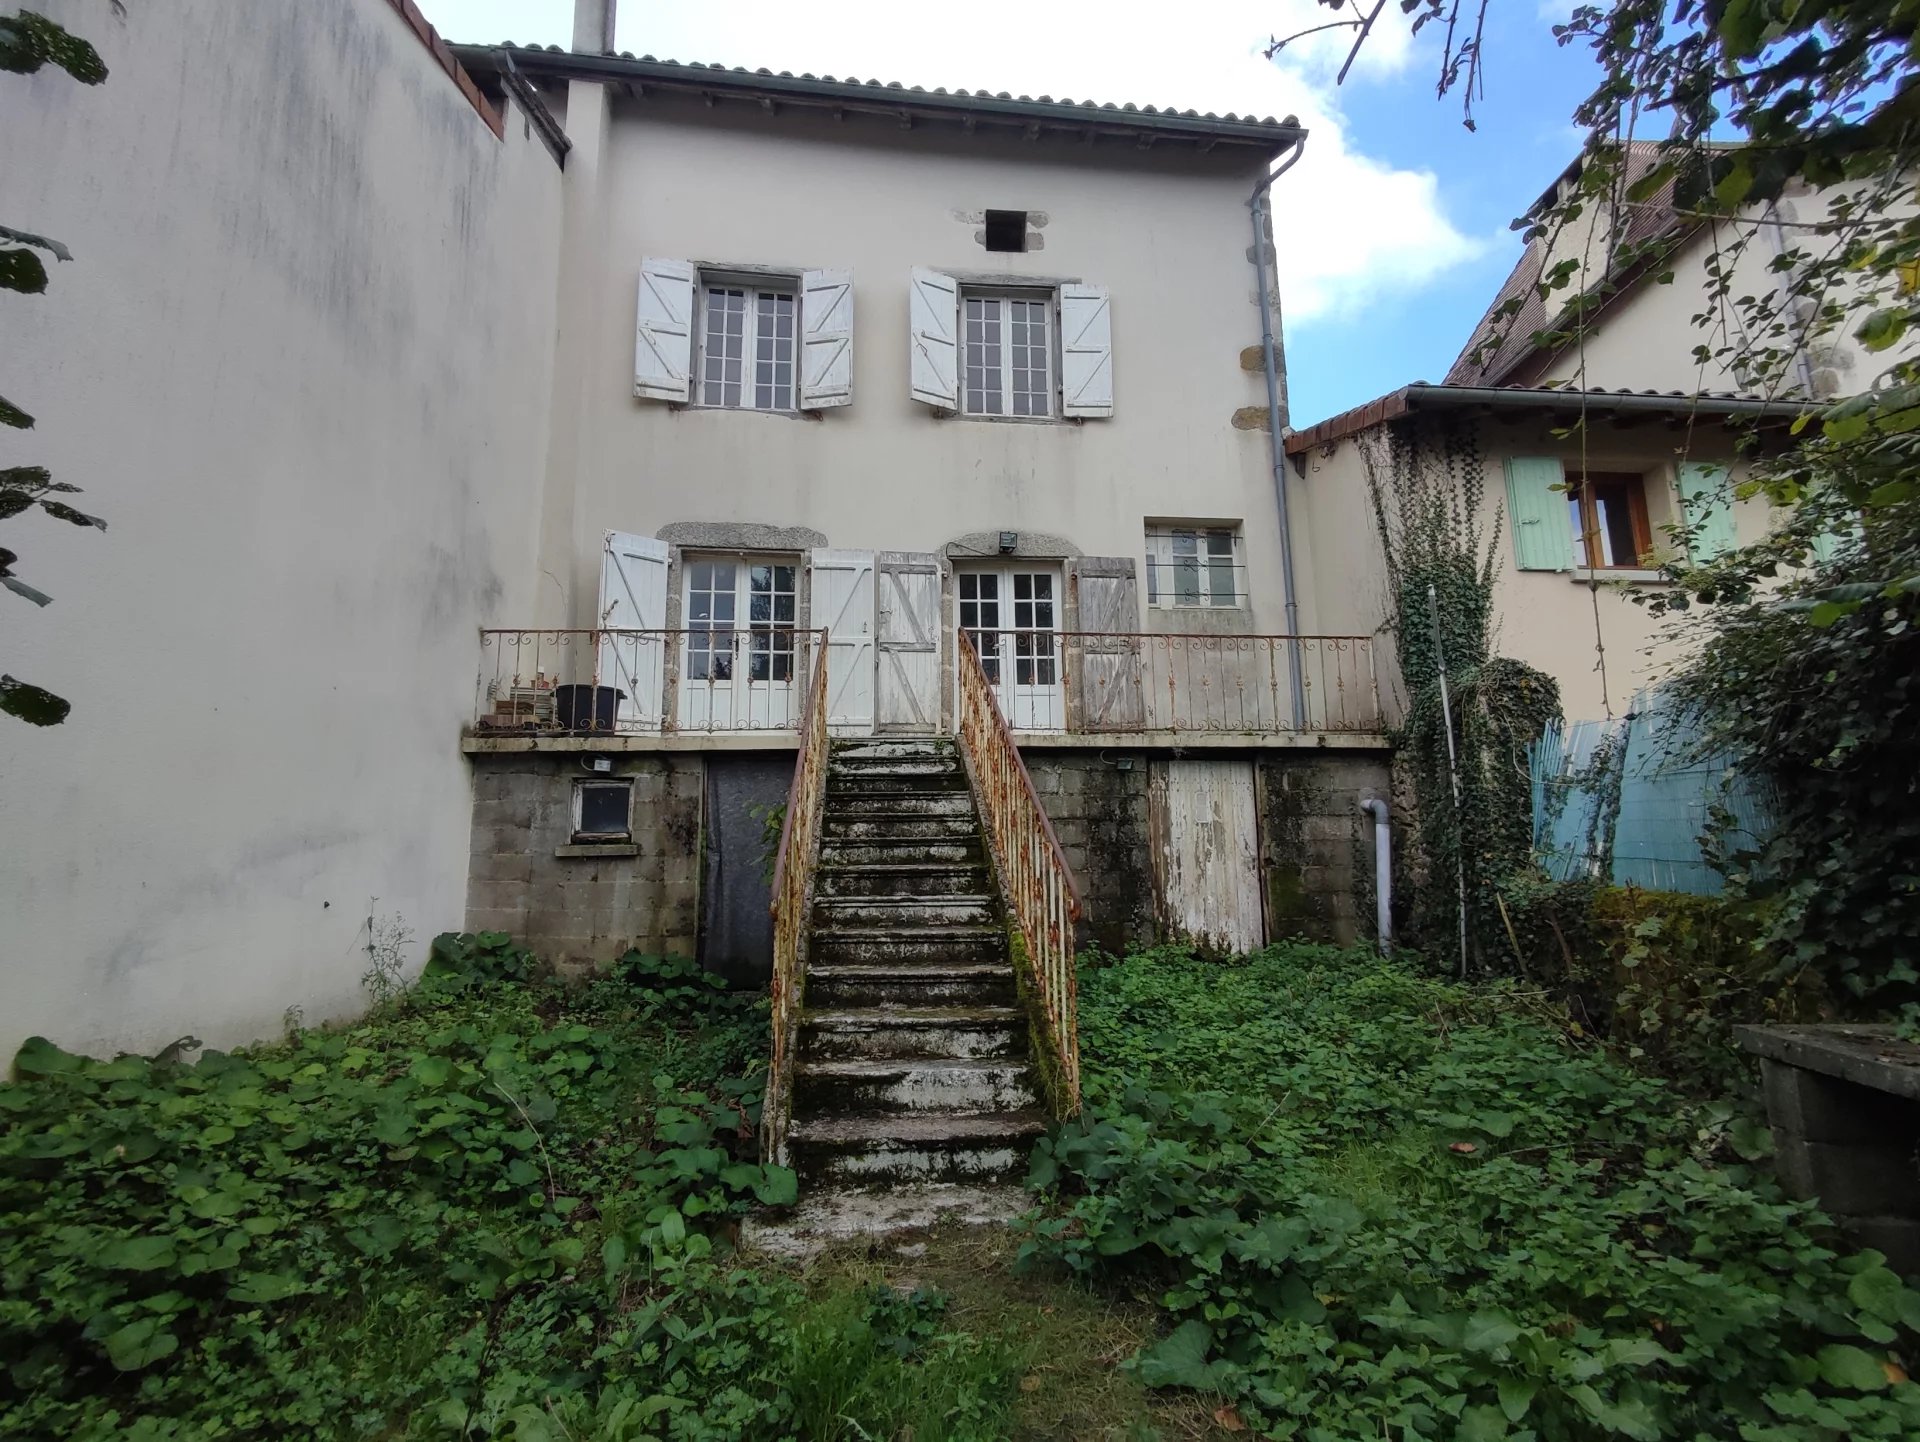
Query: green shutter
x=1542, y=529
x=1706, y=504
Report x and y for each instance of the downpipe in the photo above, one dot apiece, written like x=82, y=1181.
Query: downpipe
x=1382, y=871
x=1261, y=205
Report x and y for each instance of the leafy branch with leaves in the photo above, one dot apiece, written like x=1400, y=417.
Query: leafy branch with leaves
x=29, y=42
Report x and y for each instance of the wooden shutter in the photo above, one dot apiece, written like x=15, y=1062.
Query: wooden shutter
x=1104, y=691
x=1542, y=529
x=633, y=596
x=907, y=687
x=1086, y=351
x=933, y=321
x=1706, y=504
x=841, y=586
x=663, y=330
x=826, y=349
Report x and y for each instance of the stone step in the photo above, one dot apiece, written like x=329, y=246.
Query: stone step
x=899, y=1033
x=914, y=1147
x=879, y=851
x=886, y=783
x=892, y=1084
x=931, y=764
x=903, y=879
x=905, y=803
x=854, y=984
x=902, y=913
x=888, y=747
x=885, y=946
x=878, y=1215
x=895, y=827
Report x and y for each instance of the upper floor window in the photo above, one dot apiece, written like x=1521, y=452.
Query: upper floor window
x=1020, y=353
x=746, y=348
x=1195, y=566
x=1608, y=515
x=1009, y=354
x=743, y=337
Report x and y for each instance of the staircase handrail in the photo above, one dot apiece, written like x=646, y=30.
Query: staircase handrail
x=1034, y=875
x=793, y=875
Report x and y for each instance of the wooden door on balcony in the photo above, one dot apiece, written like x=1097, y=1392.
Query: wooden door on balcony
x=842, y=592
x=633, y=603
x=907, y=683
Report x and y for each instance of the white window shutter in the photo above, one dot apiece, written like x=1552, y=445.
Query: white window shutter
x=933, y=321
x=663, y=330
x=826, y=349
x=1086, y=351
x=633, y=603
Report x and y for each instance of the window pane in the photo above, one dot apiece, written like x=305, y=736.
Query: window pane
x=1616, y=525
x=604, y=810
x=1186, y=578
x=1028, y=354
x=984, y=359
x=1579, y=522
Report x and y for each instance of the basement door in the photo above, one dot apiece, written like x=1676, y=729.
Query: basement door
x=1204, y=830
x=1012, y=615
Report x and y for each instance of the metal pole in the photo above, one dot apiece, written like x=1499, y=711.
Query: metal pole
x=1260, y=204
x=1453, y=771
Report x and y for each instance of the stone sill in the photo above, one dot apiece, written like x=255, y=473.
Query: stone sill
x=606, y=745
x=597, y=848
x=1203, y=740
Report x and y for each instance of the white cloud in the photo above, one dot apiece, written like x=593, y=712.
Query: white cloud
x=1350, y=229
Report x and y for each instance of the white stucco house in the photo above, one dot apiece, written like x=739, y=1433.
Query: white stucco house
x=504, y=438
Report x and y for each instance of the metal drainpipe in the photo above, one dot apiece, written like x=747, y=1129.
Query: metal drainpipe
x=1382, y=872
x=1260, y=205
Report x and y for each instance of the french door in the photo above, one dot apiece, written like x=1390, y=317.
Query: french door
x=738, y=669
x=1012, y=615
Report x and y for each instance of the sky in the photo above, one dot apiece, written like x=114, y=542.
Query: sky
x=1393, y=230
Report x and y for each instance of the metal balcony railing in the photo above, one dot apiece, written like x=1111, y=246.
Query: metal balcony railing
x=636, y=682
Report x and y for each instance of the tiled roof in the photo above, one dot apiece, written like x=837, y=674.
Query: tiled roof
x=1552, y=400
x=1645, y=220
x=892, y=95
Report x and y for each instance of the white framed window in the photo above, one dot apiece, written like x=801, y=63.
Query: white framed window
x=603, y=810
x=740, y=609
x=1007, y=364
x=747, y=345
x=1195, y=566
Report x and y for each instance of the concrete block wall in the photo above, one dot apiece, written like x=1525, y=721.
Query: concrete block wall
x=1853, y=1149
x=1097, y=802
x=578, y=907
x=1316, y=843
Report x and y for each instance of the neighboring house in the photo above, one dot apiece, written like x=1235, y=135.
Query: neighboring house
x=687, y=384
x=1583, y=513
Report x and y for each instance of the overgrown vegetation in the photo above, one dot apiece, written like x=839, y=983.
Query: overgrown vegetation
x=1378, y=1204
x=498, y=1207
x=1427, y=483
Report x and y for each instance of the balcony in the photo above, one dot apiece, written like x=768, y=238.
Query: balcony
x=1185, y=688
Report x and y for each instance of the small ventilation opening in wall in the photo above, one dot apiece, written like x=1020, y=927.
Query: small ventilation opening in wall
x=1006, y=230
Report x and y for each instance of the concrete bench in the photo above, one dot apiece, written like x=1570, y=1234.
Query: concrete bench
x=1844, y=1105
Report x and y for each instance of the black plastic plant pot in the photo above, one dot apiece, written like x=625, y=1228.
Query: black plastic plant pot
x=586, y=708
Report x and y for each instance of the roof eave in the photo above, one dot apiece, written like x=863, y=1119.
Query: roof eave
x=1271, y=138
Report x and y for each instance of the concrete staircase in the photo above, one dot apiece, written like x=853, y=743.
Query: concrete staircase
x=912, y=1070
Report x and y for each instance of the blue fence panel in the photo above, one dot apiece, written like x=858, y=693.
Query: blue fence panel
x=1633, y=802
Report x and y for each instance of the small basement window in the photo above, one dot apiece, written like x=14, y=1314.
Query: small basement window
x=1007, y=230
x=603, y=811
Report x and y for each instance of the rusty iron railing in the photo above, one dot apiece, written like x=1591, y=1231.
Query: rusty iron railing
x=1034, y=876
x=1116, y=681
x=793, y=875
x=641, y=682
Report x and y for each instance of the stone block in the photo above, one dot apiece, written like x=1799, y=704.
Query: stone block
x=513, y=922
x=511, y=811
x=1046, y=780
x=500, y=841
x=497, y=896
x=1822, y=1108
x=514, y=866
x=1849, y=1180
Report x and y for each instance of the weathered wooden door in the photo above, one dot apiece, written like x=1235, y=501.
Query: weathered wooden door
x=1103, y=658
x=843, y=604
x=633, y=601
x=907, y=686
x=1205, y=833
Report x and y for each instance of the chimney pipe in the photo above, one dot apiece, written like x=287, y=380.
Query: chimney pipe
x=593, y=26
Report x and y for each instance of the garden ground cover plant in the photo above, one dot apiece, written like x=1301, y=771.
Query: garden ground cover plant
x=1376, y=1204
